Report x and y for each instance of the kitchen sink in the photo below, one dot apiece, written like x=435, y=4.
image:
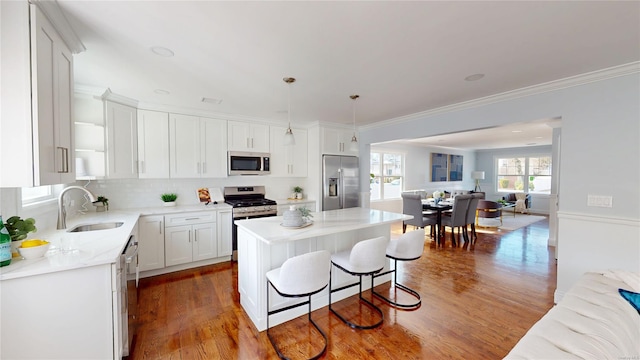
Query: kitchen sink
x=97, y=226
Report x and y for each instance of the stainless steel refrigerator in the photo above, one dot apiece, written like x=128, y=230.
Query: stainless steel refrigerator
x=340, y=188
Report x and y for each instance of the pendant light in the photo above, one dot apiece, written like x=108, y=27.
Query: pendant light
x=288, y=135
x=354, y=140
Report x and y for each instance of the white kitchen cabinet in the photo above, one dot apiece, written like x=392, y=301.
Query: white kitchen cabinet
x=89, y=136
x=122, y=141
x=337, y=141
x=190, y=237
x=245, y=136
x=151, y=242
x=290, y=161
x=225, y=227
x=36, y=141
x=197, y=147
x=153, y=145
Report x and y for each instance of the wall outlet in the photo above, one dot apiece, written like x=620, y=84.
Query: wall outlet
x=600, y=201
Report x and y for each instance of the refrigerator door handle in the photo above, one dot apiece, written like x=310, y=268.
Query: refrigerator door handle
x=340, y=189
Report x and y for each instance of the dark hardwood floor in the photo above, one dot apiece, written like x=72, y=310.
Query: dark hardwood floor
x=476, y=304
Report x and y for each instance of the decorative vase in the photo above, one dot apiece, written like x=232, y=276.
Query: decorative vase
x=170, y=203
x=299, y=196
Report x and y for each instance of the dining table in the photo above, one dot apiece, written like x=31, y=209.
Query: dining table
x=443, y=205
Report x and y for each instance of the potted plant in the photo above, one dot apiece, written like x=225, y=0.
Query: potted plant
x=18, y=229
x=169, y=199
x=297, y=190
x=101, y=204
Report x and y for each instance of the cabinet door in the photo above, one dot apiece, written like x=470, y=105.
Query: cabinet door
x=337, y=141
x=122, y=141
x=52, y=84
x=288, y=160
x=205, y=244
x=225, y=223
x=184, y=145
x=151, y=242
x=177, y=245
x=153, y=145
x=244, y=136
x=213, y=147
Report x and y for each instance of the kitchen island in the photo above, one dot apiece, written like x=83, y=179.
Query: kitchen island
x=263, y=244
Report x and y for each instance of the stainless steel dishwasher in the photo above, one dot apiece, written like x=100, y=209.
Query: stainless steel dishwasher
x=129, y=295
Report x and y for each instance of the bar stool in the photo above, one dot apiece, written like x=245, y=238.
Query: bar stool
x=367, y=257
x=408, y=246
x=300, y=276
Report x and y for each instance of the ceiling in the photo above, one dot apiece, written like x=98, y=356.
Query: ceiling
x=400, y=57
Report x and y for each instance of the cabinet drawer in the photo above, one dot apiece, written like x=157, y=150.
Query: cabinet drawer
x=189, y=218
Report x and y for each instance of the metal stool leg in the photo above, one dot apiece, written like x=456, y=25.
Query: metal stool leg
x=367, y=302
x=406, y=289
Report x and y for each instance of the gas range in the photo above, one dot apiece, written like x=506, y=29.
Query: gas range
x=249, y=202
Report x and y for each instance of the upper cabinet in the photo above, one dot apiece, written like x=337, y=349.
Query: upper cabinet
x=197, y=147
x=290, y=161
x=36, y=140
x=122, y=141
x=153, y=145
x=337, y=141
x=244, y=136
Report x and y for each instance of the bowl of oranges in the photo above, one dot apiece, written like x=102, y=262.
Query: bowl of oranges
x=33, y=249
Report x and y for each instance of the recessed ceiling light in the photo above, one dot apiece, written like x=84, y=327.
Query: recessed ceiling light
x=211, y=100
x=474, y=77
x=516, y=131
x=161, y=92
x=162, y=51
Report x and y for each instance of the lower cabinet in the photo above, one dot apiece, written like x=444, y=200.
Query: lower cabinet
x=151, y=242
x=188, y=243
x=177, y=241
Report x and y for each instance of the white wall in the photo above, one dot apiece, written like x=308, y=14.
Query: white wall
x=599, y=155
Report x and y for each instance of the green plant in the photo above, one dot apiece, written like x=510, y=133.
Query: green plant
x=18, y=228
x=306, y=213
x=103, y=200
x=297, y=189
x=169, y=197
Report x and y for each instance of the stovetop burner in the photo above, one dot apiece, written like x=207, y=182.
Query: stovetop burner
x=250, y=202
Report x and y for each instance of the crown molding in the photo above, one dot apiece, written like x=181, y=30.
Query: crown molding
x=52, y=11
x=577, y=80
x=111, y=96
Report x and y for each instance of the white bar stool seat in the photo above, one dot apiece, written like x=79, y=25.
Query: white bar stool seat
x=300, y=276
x=407, y=247
x=367, y=257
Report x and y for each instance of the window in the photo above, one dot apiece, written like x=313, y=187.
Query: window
x=386, y=175
x=38, y=194
x=524, y=174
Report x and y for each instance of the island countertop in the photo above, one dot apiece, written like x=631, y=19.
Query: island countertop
x=324, y=223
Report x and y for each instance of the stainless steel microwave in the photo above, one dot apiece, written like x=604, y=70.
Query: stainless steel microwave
x=248, y=163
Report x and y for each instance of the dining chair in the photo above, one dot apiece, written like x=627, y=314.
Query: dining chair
x=471, y=214
x=366, y=258
x=300, y=276
x=412, y=205
x=458, y=217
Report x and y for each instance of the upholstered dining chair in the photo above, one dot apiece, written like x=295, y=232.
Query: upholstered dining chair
x=366, y=258
x=471, y=214
x=407, y=247
x=300, y=276
x=458, y=217
x=412, y=205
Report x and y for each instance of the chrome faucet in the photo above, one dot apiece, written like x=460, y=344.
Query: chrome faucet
x=62, y=213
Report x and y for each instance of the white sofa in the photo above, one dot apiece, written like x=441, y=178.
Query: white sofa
x=592, y=321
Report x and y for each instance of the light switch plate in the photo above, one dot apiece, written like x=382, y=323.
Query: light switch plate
x=600, y=201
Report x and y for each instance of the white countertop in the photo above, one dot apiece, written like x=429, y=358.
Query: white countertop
x=93, y=247
x=160, y=210
x=270, y=231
